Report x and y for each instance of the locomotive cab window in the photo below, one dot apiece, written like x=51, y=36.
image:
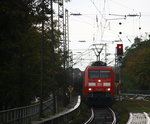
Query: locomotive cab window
x=99, y=74
x=104, y=74
x=94, y=74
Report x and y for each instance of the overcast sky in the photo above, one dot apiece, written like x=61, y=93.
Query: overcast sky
x=101, y=21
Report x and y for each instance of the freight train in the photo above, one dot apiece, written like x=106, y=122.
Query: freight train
x=98, y=86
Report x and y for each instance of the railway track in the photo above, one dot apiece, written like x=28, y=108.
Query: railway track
x=102, y=116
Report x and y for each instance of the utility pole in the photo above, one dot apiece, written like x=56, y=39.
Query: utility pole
x=61, y=28
x=42, y=61
x=66, y=35
x=53, y=60
x=61, y=20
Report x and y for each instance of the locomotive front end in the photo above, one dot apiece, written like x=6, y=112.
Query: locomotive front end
x=99, y=84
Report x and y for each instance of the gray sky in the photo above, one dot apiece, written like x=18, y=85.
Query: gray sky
x=101, y=21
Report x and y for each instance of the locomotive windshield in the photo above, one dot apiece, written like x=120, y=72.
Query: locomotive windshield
x=99, y=74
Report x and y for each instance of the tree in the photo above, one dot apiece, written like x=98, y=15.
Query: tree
x=19, y=51
x=135, y=69
x=20, y=45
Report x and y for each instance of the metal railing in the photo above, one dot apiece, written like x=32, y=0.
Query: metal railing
x=138, y=91
x=64, y=117
x=23, y=115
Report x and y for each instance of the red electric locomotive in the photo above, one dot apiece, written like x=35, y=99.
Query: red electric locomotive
x=98, y=86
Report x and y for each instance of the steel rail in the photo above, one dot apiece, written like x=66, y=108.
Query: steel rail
x=114, y=116
x=91, y=117
x=90, y=120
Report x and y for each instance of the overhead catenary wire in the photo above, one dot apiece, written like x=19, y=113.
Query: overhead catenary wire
x=120, y=4
x=103, y=20
x=109, y=26
x=97, y=8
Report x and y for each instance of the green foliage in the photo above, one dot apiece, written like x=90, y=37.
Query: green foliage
x=20, y=53
x=135, y=68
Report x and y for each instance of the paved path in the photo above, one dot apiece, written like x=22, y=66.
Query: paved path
x=139, y=118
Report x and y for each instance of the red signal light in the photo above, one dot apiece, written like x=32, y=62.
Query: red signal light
x=119, y=46
x=119, y=49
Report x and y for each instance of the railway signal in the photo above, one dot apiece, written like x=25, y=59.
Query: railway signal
x=119, y=49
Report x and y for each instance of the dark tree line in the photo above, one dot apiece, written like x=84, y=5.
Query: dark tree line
x=20, y=53
x=135, y=68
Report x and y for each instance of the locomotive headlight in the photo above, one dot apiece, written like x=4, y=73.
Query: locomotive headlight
x=108, y=89
x=99, y=80
x=90, y=89
x=91, y=84
x=106, y=84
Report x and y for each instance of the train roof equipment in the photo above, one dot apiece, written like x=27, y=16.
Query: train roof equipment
x=98, y=63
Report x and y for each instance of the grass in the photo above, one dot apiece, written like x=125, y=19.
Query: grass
x=123, y=108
